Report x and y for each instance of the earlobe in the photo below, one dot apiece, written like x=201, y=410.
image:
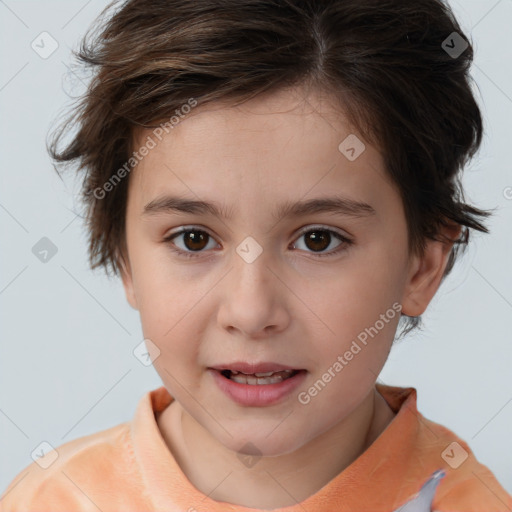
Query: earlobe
x=426, y=273
x=126, y=276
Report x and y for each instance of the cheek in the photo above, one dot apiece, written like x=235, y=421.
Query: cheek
x=362, y=289
x=170, y=307
x=360, y=306
x=162, y=304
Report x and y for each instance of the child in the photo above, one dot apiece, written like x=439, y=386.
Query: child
x=221, y=141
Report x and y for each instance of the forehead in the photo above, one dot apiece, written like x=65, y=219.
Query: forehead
x=280, y=144
x=284, y=111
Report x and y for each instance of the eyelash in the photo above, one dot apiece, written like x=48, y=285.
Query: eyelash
x=346, y=242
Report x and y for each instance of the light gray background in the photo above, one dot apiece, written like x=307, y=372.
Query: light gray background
x=67, y=367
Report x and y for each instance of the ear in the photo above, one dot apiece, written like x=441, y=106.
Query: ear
x=426, y=272
x=126, y=276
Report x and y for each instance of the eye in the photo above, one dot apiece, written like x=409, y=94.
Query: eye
x=192, y=241
x=320, y=238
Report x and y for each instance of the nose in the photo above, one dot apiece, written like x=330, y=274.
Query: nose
x=254, y=299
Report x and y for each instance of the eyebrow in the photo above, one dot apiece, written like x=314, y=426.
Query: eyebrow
x=332, y=204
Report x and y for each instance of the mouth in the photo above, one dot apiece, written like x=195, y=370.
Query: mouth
x=257, y=384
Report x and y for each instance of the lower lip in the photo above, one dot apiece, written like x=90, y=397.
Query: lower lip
x=257, y=395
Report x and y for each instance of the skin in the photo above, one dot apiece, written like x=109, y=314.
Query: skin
x=290, y=305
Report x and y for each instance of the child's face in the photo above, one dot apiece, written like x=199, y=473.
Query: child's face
x=291, y=305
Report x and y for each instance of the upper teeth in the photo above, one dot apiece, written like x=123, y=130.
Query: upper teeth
x=266, y=374
x=260, y=378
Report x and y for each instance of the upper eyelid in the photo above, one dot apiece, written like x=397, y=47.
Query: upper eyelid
x=301, y=231
x=311, y=227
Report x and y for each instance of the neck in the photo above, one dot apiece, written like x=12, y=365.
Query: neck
x=278, y=481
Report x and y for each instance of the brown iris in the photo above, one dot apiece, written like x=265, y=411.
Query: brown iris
x=317, y=240
x=195, y=240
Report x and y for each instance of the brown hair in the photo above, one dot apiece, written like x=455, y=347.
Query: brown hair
x=383, y=59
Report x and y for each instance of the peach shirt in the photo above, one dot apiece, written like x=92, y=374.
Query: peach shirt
x=130, y=468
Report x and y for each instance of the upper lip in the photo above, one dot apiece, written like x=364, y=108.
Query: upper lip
x=250, y=368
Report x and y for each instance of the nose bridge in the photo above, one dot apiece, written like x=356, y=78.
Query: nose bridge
x=251, y=264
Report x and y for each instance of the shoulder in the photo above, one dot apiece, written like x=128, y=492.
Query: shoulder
x=78, y=475
x=468, y=483
x=420, y=447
